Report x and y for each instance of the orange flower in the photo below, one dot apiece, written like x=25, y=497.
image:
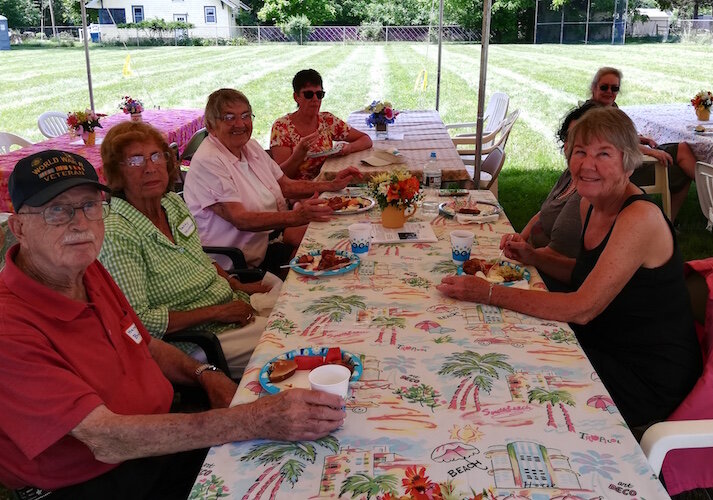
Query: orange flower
x=419, y=486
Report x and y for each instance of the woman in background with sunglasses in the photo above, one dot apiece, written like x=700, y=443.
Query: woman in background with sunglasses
x=677, y=156
x=298, y=138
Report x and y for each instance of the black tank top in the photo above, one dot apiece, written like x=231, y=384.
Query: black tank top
x=649, y=325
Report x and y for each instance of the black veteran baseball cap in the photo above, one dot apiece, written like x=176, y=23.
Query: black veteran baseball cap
x=40, y=177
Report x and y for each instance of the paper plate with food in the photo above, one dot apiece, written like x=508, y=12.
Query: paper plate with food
x=350, y=204
x=502, y=272
x=325, y=262
x=327, y=152
x=290, y=370
x=469, y=210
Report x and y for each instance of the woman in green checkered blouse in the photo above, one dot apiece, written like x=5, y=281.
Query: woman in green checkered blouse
x=153, y=251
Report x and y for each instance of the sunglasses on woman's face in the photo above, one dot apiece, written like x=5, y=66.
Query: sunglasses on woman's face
x=309, y=94
x=604, y=87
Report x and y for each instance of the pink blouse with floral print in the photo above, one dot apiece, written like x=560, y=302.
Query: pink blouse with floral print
x=331, y=128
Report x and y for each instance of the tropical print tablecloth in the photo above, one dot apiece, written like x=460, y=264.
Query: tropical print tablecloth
x=454, y=398
x=177, y=125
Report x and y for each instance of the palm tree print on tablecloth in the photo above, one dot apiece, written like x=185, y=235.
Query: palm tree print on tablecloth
x=282, y=325
x=478, y=372
x=364, y=484
x=384, y=322
x=290, y=469
x=445, y=267
x=331, y=309
x=552, y=398
x=423, y=394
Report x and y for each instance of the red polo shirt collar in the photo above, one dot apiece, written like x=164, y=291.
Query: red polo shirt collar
x=27, y=289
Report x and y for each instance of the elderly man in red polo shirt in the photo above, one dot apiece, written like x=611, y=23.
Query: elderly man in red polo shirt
x=85, y=389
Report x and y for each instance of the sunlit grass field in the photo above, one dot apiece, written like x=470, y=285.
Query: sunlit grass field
x=543, y=81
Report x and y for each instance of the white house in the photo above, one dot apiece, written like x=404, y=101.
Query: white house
x=211, y=18
x=656, y=23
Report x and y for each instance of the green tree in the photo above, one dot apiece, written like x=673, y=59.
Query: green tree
x=553, y=397
x=384, y=322
x=478, y=369
x=275, y=452
x=364, y=484
x=279, y=11
x=20, y=13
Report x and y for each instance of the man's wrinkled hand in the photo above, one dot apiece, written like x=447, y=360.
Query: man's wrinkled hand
x=296, y=415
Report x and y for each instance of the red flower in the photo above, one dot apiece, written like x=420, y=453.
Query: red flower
x=419, y=487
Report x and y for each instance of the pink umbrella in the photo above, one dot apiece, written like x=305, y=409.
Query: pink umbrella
x=450, y=452
x=426, y=326
x=602, y=402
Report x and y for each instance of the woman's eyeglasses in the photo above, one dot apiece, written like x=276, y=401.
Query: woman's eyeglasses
x=309, y=94
x=57, y=215
x=231, y=118
x=138, y=161
x=604, y=87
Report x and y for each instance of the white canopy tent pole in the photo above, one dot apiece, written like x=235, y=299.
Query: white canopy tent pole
x=54, y=27
x=485, y=40
x=440, y=43
x=86, y=54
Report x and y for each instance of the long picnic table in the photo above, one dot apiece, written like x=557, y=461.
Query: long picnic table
x=454, y=396
x=415, y=134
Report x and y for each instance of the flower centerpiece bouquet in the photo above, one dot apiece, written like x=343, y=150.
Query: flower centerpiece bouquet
x=381, y=113
x=131, y=106
x=83, y=123
x=702, y=103
x=395, y=192
x=396, y=188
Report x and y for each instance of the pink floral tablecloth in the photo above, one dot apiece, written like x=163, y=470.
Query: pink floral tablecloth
x=455, y=397
x=177, y=125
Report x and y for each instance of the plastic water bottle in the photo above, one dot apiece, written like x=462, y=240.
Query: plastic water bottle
x=431, y=173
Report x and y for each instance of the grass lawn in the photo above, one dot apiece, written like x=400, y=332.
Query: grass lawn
x=543, y=81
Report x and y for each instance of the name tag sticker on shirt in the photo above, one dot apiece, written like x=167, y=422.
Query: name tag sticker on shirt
x=187, y=227
x=133, y=333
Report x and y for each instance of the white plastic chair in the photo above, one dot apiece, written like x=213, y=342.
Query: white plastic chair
x=689, y=429
x=660, y=185
x=7, y=140
x=663, y=437
x=495, y=139
x=490, y=170
x=52, y=123
x=704, y=186
x=494, y=115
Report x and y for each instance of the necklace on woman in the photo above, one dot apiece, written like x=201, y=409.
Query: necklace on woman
x=571, y=188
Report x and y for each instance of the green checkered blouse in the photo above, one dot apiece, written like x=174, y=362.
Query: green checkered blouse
x=157, y=275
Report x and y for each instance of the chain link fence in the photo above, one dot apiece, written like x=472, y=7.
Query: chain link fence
x=243, y=35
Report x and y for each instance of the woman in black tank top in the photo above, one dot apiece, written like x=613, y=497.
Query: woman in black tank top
x=630, y=310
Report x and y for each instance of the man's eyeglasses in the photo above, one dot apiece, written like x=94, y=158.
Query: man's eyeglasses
x=309, y=94
x=57, y=215
x=138, y=161
x=248, y=116
x=604, y=87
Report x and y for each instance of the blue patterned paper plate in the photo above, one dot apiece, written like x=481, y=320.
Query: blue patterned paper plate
x=270, y=388
x=315, y=253
x=525, y=273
